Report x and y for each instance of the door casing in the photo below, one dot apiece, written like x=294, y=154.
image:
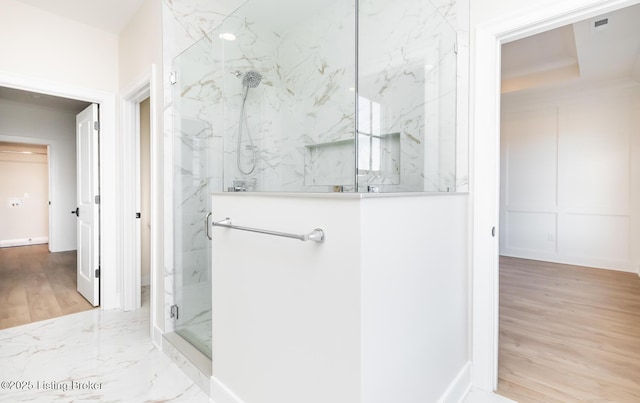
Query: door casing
x=485, y=176
x=110, y=282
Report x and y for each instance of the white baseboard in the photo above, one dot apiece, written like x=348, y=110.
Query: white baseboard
x=459, y=387
x=24, y=241
x=220, y=393
x=598, y=263
x=481, y=396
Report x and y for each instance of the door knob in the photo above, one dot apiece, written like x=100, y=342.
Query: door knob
x=76, y=211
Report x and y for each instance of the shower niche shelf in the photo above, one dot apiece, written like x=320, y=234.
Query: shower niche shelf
x=330, y=163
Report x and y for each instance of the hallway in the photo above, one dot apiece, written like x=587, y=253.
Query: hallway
x=36, y=285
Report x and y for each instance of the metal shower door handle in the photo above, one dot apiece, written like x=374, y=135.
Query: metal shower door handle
x=206, y=226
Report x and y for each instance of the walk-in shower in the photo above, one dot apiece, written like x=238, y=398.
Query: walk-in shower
x=329, y=96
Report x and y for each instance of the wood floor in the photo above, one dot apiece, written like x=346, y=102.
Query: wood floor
x=568, y=333
x=36, y=285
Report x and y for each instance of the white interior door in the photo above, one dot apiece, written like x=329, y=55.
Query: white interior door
x=88, y=224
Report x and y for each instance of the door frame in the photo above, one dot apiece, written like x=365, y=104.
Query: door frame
x=109, y=160
x=50, y=178
x=485, y=136
x=143, y=88
x=131, y=99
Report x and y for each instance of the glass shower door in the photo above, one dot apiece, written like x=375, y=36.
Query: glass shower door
x=194, y=95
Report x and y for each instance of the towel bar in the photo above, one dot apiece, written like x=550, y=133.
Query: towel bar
x=317, y=235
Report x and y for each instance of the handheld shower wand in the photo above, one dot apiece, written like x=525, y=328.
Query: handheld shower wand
x=250, y=79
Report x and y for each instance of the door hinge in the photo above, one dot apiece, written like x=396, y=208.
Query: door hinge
x=96, y=126
x=174, y=311
x=173, y=78
x=138, y=215
x=98, y=272
x=97, y=199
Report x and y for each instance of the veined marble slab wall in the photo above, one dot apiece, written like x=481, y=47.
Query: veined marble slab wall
x=302, y=115
x=305, y=97
x=318, y=62
x=251, y=51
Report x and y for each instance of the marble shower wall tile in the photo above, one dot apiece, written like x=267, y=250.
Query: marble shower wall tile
x=318, y=64
x=304, y=97
x=252, y=51
x=449, y=10
x=299, y=100
x=280, y=149
x=187, y=21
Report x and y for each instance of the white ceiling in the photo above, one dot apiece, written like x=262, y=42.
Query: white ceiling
x=575, y=53
x=49, y=101
x=108, y=15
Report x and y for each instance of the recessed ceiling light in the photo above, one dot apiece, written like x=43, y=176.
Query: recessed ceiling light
x=227, y=36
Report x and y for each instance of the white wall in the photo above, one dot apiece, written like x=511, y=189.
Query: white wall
x=140, y=43
x=21, y=122
x=286, y=314
x=140, y=47
x=24, y=178
x=377, y=313
x=484, y=11
x=569, y=186
x=415, y=299
x=42, y=45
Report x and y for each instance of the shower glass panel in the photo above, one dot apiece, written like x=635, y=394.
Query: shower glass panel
x=406, y=97
x=196, y=176
x=289, y=96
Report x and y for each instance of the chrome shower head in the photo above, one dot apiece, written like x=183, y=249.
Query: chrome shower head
x=251, y=79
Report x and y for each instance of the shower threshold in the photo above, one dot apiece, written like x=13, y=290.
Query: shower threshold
x=192, y=361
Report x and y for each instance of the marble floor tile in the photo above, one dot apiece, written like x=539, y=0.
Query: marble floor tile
x=92, y=356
